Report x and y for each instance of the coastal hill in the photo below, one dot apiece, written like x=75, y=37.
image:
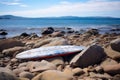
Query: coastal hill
x=62, y=17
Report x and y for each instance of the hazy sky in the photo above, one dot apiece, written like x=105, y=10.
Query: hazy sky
x=50, y=8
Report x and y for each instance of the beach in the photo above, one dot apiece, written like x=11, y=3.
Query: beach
x=100, y=60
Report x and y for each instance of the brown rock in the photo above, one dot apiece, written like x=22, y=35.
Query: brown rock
x=77, y=71
x=99, y=69
x=112, y=53
x=112, y=69
x=41, y=66
x=57, y=60
x=6, y=74
x=22, y=64
x=68, y=70
x=108, y=61
x=57, y=34
x=9, y=43
x=91, y=55
x=53, y=75
x=101, y=76
x=26, y=75
x=12, y=51
x=24, y=79
x=115, y=44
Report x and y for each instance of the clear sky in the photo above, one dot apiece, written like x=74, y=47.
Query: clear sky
x=51, y=8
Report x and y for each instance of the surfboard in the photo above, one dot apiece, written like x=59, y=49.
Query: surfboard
x=47, y=52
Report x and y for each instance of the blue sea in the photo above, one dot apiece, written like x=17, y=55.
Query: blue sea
x=15, y=27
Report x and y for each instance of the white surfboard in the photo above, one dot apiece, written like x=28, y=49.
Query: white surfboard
x=47, y=52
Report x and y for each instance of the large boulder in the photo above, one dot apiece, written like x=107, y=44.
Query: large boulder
x=91, y=55
x=51, y=42
x=13, y=51
x=115, y=44
x=41, y=66
x=6, y=74
x=9, y=43
x=53, y=75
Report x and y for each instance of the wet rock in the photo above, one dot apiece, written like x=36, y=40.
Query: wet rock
x=91, y=55
x=41, y=66
x=49, y=30
x=115, y=44
x=26, y=75
x=51, y=42
x=57, y=60
x=53, y=75
x=6, y=74
x=112, y=53
x=24, y=35
x=77, y=71
x=112, y=69
x=92, y=32
x=3, y=33
x=9, y=43
x=13, y=51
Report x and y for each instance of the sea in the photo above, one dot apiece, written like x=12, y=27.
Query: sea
x=15, y=27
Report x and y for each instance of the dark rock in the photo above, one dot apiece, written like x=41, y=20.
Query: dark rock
x=115, y=44
x=24, y=35
x=3, y=33
x=116, y=29
x=49, y=30
x=9, y=43
x=91, y=55
x=92, y=32
x=34, y=35
x=70, y=31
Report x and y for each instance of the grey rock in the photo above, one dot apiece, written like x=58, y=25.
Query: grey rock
x=91, y=55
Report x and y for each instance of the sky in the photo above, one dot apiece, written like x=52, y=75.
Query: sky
x=55, y=8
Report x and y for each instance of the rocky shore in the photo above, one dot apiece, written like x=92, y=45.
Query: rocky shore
x=100, y=60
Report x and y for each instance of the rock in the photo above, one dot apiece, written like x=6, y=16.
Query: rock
x=33, y=35
x=22, y=65
x=93, y=31
x=57, y=60
x=112, y=53
x=57, y=41
x=68, y=70
x=53, y=75
x=108, y=61
x=24, y=79
x=51, y=42
x=101, y=76
x=57, y=34
x=3, y=33
x=77, y=71
x=41, y=66
x=99, y=69
x=14, y=60
x=91, y=55
x=6, y=74
x=13, y=51
x=115, y=44
x=49, y=30
x=26, y=75
x=24, y=35
x=9, y=43
x=112, y=69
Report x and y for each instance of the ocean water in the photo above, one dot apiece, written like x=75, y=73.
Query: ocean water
x=15, y=27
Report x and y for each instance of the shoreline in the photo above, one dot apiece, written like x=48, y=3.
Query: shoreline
x=100, y=60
